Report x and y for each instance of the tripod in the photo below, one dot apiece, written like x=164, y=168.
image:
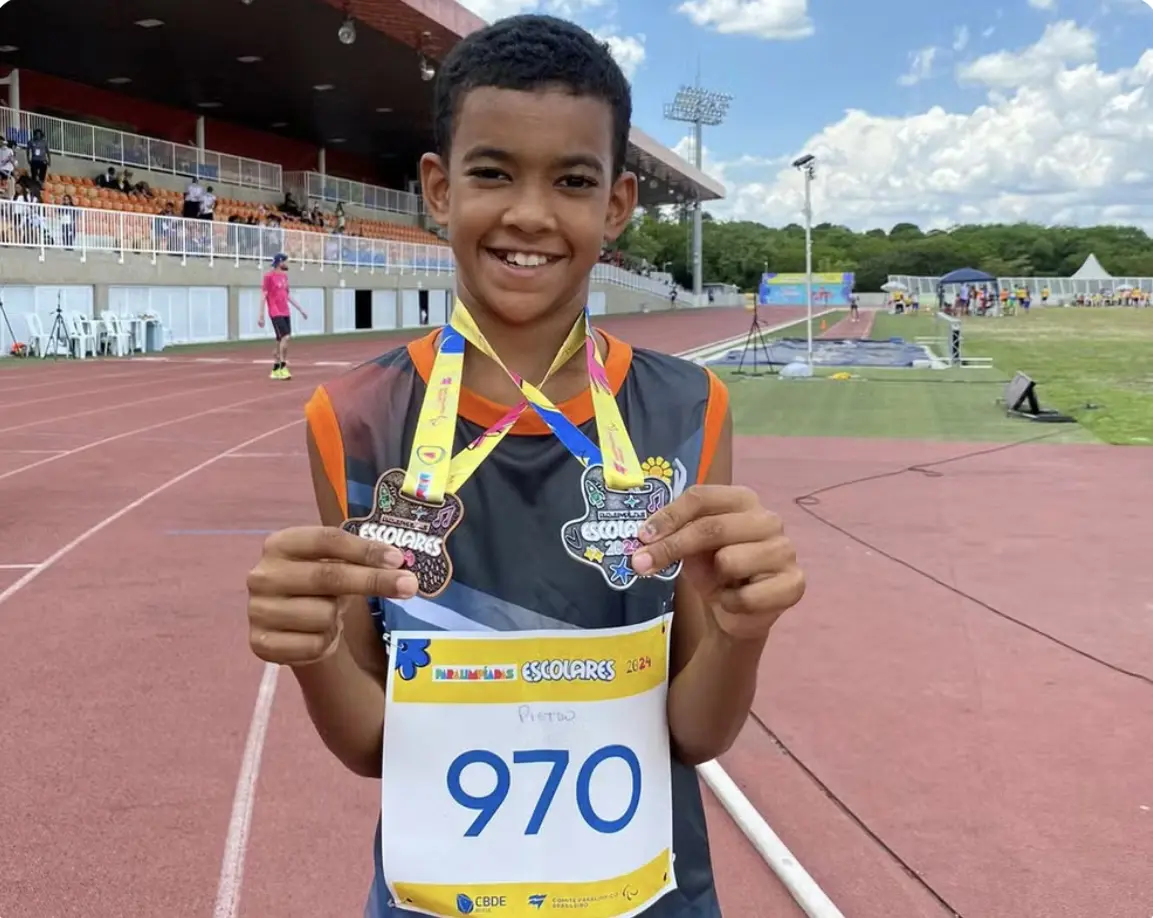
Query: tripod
x=7, y=324
x=755, y=345
x=59, y=331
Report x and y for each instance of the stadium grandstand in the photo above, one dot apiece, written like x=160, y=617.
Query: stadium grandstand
x=164, y=152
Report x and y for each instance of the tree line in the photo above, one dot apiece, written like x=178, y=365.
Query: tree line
x=737, y=252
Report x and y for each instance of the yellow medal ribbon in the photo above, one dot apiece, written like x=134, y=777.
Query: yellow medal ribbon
x=433, y=471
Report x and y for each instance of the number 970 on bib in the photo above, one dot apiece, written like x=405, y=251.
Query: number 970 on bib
x=528, y=774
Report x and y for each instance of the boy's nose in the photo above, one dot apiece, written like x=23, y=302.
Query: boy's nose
x=531, y=213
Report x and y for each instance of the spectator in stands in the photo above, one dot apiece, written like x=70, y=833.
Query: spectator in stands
x=290, y=207
x=167, y=229
x=7, y=168
x=143, y=189
x=208, y=204
x=128, y=186
x=192, y=197
x=109, y=179
x=68, y=214
x=28, y=189
x=39, y=159
x=340, y=218
x=26, y=217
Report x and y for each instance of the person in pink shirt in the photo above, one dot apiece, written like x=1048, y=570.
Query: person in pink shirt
x=275, y=301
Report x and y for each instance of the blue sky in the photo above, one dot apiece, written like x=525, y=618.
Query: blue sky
x=978, y=110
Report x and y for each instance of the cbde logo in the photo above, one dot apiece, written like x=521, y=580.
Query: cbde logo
x=467, y=905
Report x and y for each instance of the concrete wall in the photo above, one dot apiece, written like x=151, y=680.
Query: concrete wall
x=198, y=302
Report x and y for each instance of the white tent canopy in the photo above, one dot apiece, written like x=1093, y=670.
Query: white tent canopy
x=1092, y=271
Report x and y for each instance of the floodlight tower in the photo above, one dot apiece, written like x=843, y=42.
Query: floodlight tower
x=808, y=165
x=698, y=107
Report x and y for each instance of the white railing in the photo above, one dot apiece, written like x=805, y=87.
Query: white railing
x=620, y=277
x=100, y=144
x=1060, y=288
x=333, y=190
x=83, y=230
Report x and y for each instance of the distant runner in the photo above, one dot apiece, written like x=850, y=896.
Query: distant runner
x=276, y=300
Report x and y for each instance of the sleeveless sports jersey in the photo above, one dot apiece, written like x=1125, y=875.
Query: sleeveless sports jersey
x=511, y=570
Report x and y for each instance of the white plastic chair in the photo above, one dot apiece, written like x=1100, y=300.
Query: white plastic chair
x=82, y=335
x=37, y=337
x=116, y=338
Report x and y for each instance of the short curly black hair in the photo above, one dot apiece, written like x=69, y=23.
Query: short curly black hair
x=532, y=52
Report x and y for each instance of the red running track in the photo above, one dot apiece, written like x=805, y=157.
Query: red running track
x=134, y=497
x=996, y=743
x=846, y=328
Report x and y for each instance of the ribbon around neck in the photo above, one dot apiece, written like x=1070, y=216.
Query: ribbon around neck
x=433, y=470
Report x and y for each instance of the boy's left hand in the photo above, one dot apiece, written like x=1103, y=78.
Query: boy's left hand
x=735, y=555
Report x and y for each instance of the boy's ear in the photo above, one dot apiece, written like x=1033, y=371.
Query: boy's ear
x=622, y=203
x=434, y=185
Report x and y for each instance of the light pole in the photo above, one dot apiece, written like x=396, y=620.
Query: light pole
x=698, y=107
x=807, y=165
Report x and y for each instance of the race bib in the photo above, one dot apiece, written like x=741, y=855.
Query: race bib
x=528, y=774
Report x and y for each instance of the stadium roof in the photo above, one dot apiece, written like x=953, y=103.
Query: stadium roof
x=367, y=97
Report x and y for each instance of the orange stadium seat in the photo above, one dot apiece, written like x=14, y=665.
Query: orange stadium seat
x=85, y=194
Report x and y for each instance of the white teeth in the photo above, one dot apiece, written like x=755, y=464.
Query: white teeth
x=525, y=259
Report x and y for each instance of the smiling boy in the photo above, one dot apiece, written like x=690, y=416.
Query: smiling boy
x=485, y=506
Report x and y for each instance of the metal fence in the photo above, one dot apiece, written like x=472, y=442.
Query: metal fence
x=81, y=230
x=1061, y=289
x=100, y=144
x=328, y=188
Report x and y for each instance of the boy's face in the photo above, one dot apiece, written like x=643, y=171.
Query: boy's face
x=528, y=198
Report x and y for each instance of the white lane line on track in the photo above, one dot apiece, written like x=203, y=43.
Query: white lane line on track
x=68, y=547
x=16, y=567
x=244, y=800
x=136, y=381
x=796, y=880
x=268, y=455
x=121, y=405
x=128, y=433
x=74, y=378
x=802, y=887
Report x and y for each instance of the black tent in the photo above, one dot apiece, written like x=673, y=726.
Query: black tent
x=964, y=276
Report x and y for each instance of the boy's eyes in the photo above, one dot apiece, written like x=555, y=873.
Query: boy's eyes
x=577, y=182
x=568, y=182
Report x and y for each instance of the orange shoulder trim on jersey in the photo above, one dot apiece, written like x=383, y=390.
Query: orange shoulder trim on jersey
x=485, y=412
x=326, y=435
x=716, y=411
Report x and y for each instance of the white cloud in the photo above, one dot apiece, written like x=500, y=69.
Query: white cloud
x=1062, y=43
x=776, y=19
x=920, y=67
x=961, y=38
x=628, y=50
x=1057, y=140
x=1043, y=4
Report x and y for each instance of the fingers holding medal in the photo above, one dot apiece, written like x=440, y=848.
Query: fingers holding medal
x=294, y=590
x=735, y=553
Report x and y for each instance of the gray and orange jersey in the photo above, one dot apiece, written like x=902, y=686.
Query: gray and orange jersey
x=511, y=570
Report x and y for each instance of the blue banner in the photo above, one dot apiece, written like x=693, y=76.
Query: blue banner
x=829, y=290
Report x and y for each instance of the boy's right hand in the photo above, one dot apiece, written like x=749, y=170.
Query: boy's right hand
x=294, y=590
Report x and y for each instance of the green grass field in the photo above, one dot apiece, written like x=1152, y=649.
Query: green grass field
x=1093, y=364
x=1096, y=364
